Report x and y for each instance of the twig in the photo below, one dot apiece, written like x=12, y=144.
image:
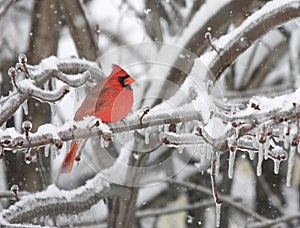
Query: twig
x=6, y=8
x=10, y=194
x=269, y=223
x=213, y=46
x=166, y=211
x=146, y=110
x=51, y=66
x=225, y=199
x=214, y=182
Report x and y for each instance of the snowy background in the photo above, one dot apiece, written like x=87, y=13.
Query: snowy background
x=219, y=81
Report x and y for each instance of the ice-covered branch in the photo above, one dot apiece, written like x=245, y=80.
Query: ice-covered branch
x=48, y=133
x=230, y=46
x=73, y=72
x=53, y=201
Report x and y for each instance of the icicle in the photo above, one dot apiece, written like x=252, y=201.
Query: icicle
x=202, y=158
x=47, y=150
x=189, y=219
x=160, y=128
x=68, y=145
x=74, y=218
x=25, y=108
x=180, y=149
x=286, y=142
x=232, y=155
x=46, y=86
x=106, y=143
x=257, y=133
x=208, y=152
x=178, y=126
x=260, y=159
x=53, y=109
x=290, y=165
x=102, y=141
x=1, y=152
x=237, y=132
x=147, y=136
x=217, y=164
x=251, y=154
x=135, y=155
x=231, y=142
x=266, y=148
x=281, y=132
x=276, y=165
x=77, y=97
x=209, y=85
x=34, y=220
x=53, y=150
x=28, y=158
x=218, y=214
x=53, y=154
x=166, y=128
x=53, y=84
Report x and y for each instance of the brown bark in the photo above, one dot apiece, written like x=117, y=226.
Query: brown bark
x=43, y=43
x=218, y=23
x=80, y=30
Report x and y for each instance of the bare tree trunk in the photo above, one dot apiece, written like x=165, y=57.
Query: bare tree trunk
x=80, y=29
x=43, y=43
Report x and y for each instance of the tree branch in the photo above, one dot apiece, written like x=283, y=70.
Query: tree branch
x=60, y=202
x=262, y=21
x=48, y=68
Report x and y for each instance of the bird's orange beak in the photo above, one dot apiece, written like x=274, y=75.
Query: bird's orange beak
x=128, y=81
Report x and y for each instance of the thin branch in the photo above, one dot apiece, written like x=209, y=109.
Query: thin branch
x=10, y=194
x=6, y=8
x=225, y=199
x=166, y=211
x=287, y=218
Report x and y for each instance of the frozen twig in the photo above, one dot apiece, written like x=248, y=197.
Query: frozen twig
x=10, y=194
x=73, y=72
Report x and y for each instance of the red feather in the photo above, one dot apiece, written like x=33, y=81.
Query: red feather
x=109, y=100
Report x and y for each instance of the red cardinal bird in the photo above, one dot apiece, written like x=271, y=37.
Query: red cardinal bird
x=110, y=100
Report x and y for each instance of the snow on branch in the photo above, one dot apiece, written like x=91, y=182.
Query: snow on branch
x=50, y=134
x=53, y=201
x=73, y=72
x=230, y=46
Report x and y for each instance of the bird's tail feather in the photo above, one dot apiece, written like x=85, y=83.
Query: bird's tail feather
x=68, y=162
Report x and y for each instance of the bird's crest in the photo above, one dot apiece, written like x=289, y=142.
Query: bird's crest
x=118, y=71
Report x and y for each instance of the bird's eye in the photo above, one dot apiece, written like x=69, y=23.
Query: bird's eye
x=122, y=80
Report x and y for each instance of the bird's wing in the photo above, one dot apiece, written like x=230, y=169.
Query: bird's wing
x=99, y=99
